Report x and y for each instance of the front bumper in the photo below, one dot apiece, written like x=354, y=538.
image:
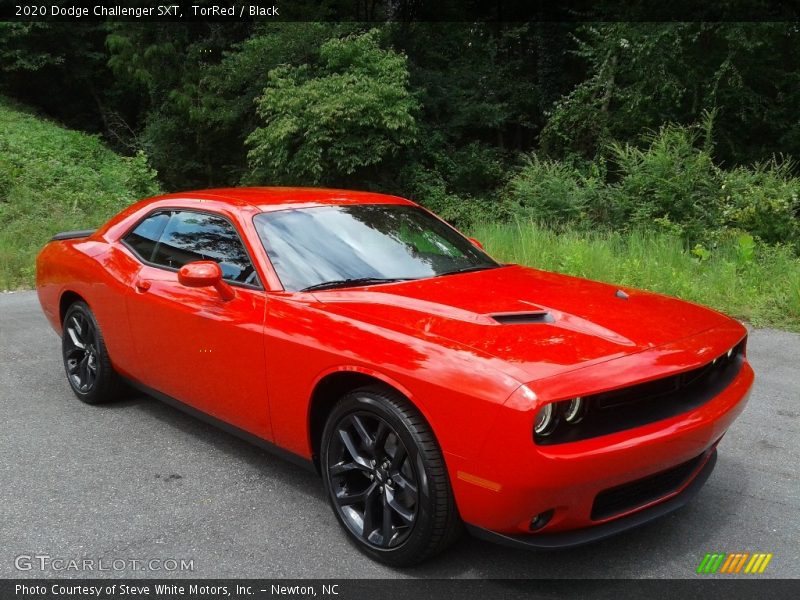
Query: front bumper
x=503, y=488
x=579, y=537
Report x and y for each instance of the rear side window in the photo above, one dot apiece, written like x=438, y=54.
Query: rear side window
x=175, y=238
x=144, y=238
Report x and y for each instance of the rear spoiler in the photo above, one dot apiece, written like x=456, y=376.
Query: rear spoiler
x=72, y=235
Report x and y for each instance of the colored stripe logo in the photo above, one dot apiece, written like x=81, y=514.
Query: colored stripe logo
x=738, y=562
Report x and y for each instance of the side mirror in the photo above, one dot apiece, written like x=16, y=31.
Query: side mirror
x=476, y=243
x=205, y=273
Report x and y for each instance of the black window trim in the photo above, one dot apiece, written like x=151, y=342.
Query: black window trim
x=174, y=209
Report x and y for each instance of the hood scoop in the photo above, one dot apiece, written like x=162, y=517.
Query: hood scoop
x=524, y=318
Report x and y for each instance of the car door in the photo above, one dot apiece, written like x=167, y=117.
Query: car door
x=191, y=344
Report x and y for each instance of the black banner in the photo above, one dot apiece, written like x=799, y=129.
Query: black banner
x=399, y=10
x=401, y=589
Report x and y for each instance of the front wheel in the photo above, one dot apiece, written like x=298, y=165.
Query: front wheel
x=386, y=478
x=86, y=359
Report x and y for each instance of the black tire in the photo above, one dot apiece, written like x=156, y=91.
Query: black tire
x=86, y=362
x=366, y=475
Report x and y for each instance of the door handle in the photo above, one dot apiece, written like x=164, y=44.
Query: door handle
x=142, y=285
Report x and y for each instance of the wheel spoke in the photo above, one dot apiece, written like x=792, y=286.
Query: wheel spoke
x=387, y=528
x=83, y=372
x=347, y=498
x=351, y=447
x=361, y=430
x=371, y=500
x=75, y=337
x=405, y=486
x=405, y=513
x=381, y=435
x=398, y=458
x=343, y=468
x=78, y=321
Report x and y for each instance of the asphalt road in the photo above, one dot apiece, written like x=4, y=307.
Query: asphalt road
x=138, y=480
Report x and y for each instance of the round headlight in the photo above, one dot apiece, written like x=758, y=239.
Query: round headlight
x=573, y=413
x=545, y=420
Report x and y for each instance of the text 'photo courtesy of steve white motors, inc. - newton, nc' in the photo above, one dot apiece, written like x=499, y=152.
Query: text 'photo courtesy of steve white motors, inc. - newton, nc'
x=178, y=11
x=134, y=590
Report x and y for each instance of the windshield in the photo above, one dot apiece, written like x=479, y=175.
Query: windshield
x=340, y=246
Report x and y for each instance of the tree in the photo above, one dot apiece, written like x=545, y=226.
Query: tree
x=641, y=75
x=328, y=121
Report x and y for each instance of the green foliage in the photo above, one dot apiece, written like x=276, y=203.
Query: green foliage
x=325, y=122
x=640, y=75
x=755, y=282
x=669, y=182
x=764, y=200
x=445, y=179
x=554, y=192
x=670, y=178
x=53, y=179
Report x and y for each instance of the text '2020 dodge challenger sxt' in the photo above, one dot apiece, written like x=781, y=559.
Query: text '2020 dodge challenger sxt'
x=430, y=385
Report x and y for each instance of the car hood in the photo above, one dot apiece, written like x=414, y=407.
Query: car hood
x=540, y=322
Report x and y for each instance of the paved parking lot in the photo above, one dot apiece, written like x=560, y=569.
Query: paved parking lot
x=138, y=480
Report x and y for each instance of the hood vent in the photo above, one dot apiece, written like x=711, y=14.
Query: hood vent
x=524, y=318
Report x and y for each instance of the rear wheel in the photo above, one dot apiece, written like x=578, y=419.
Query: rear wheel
x=86, y=359
x=386, y=478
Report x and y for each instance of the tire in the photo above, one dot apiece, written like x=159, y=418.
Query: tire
x=86, y=362
x=380, y=456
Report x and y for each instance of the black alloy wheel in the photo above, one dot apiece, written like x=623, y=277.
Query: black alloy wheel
x=80, y=352
x=86, y=359
x=386, y=478
x=374, y=484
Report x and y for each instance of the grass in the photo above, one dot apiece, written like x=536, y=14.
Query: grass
x=54, y=179
x=760, y=285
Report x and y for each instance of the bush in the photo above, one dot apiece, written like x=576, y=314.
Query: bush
x=457, y=183
x=668, y=183
x=670, y=180
x=765, y=201
x=53, y=179
x=554, y=192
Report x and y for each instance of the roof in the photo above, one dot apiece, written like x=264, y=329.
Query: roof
x=268, y=198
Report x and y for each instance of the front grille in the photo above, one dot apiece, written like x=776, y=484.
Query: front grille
x=628, y=496
x=637, y=405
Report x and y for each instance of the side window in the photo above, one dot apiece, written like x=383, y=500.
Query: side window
x=190, y=236
x=144, y=238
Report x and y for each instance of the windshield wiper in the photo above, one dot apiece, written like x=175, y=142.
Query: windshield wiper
x=356, y=281
x=469, y=269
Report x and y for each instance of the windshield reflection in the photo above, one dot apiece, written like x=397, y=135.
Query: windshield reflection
x=312, y=246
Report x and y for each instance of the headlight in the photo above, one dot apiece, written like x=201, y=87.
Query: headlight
x=574, y=409
x=545, y=420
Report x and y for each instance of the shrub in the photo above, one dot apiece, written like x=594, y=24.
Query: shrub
x=554, y=192
x=671, y=179
x=765, y=201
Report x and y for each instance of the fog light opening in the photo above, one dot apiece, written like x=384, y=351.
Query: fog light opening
x=541, y=520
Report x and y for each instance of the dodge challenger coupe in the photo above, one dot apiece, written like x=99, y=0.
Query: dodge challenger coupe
x=430, y=386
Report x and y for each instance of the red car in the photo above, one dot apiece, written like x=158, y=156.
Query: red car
x=428, y=384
